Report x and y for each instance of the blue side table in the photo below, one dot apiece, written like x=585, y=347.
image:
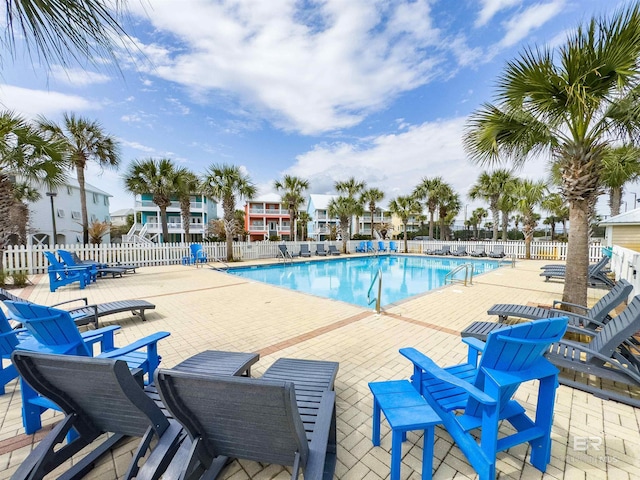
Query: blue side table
x=405, y=409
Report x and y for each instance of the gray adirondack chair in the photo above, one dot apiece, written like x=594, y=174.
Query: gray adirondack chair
x=287, y=417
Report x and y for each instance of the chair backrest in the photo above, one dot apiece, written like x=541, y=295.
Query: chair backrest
x=195, y=248
x=8, y=337
x=598, y=267
x=446, y=248
x=618, y=329
x=245, y=418
x=392, y=245
x=479, y=249
x=618, y=294
x=320, y=247
x=102, y=393
x=304, y=248
x=51, y=327
x=68, y=259
x=362, y=245
x=498, y=249
x=369, y=245
x=515, y=349
x=381, y=245
x=53, y=261
x=283, y=249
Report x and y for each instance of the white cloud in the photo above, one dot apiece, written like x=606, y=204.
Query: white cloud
x=32, y=103
x=310, y=70
x=491, y=7
x=137, y=146
x=77, y=77
x=519, y=26
x=396, y=163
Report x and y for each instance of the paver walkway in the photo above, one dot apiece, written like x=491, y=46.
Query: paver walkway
x=205, y=309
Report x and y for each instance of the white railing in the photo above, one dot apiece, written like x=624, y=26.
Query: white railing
x=31, y=259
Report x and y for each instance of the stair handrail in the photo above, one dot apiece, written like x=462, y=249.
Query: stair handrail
x=377, y=276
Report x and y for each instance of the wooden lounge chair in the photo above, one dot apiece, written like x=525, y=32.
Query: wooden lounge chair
x=304, y=250
x=283, y=252
x=333, y=250
x=56, y=331
x=320, y=251
x=591, y=319
x=89, y=314
x=478, y=395
x=445, y=250
x=461, y=251
x=478, y=252
x=597, y=274
x=609, y=356
x=497, y=252
x=82, y=388
x=287, y=417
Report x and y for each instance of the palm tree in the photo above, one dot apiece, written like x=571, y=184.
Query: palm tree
x=293, y=189
x=157, y=178
x=85, y=141
x=20, y=214
x=430, y=190
x=477, y=216
x=490, y=187
x=530, y=195
x=187, y=185
x=619, y=167
x=448, y=207
x=405, y=207
x=303, y=220
x=224, y=183
x=557, y=207
x=58, y=30
x=24, y=152
x=506, y=205
x=571, y=103
x=343, y=208
x=352, y=188
x=370, y=197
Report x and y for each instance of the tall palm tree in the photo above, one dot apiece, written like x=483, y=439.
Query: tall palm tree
x=405, y=207
x=352, y=188
x=187, y=185
x=619, y=166
x=292, y=189
x=506, y=205
x=86, y=141
x=448, y=207
x=343, y=209
x=225, y=183
x=26, y=153
x=157, y=178
x=20, y=214
x=304, y=219
x=58, y=30
x=490, y=187
x=530, y=195
x=371, y=196
x=557, y=207
x=570, y=103
x=430, y=189
x=477, y=216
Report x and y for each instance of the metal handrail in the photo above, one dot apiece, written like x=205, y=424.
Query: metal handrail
x=377, y=276
x=219, y=260
x=284, y=257
x=468, y=274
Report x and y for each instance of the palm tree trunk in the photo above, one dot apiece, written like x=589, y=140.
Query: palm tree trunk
x=373, y=211
x=163, y=222
x=83, y=204
x=496, y=220
x=431, y=222
x=577, y=254
x=406, y=247
x=293, y=235
x=553, y=231
x=615, y=200
x=505, y=225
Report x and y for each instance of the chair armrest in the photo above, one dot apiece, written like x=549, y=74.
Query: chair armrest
x=83, y=299
x=584, y=348
x=577, y=318
x=541, y=369
x=137, y=345
x=429, y=367
x=320, y=443
x=560, y=302
x=104, y=336
x=476, y=347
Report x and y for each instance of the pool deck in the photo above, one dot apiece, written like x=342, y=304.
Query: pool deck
x=210, y=310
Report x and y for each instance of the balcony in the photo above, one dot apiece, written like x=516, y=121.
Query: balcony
x=174, y=205
x=174, y=227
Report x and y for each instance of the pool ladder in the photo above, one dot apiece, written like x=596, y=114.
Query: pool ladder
x=468, y=274
x=219, y=260
x=378, y=277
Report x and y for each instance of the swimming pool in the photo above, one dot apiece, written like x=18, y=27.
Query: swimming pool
x=349, y=279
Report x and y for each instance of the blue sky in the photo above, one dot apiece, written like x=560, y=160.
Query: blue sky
x=323, y=90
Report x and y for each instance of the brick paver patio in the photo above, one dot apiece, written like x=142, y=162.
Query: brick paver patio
x=205, y=309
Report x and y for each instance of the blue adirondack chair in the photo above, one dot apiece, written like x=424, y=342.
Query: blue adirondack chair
x=362, y=247
x=483, y=391
x=381, y=246
x=57, y=333
x=197, y=254
x=393, y=247
x=370, y=246
x=12, y=339
x=61, y=274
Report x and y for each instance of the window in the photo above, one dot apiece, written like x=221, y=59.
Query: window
x=95, y=198
x=60, y=213
x=94, y=218
x=69, y=190
x=75, y=215
x=106, y=200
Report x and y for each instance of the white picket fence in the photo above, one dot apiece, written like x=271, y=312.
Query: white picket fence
x=30, y=259
x=625, y=264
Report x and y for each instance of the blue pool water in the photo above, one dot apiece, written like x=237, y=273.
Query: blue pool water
x=348, y=279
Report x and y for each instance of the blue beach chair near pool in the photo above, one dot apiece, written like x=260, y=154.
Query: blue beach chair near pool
x=61, y=274
x=393, y=247
x=197, y=254
x=362, y=247
x=478, y=395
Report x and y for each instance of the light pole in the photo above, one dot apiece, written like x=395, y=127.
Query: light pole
x=51, y=195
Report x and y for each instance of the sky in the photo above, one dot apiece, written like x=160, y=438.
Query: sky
x=319, y=89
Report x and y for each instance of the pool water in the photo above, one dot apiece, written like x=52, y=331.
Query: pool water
x=349, y=279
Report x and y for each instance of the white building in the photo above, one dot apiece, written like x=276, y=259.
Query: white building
x=320, y=225
x=119, y=217
x=64, y=208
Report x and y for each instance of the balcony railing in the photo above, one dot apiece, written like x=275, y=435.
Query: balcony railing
x=150, y=204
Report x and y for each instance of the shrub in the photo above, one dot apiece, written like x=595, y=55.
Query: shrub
x=20, y=278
